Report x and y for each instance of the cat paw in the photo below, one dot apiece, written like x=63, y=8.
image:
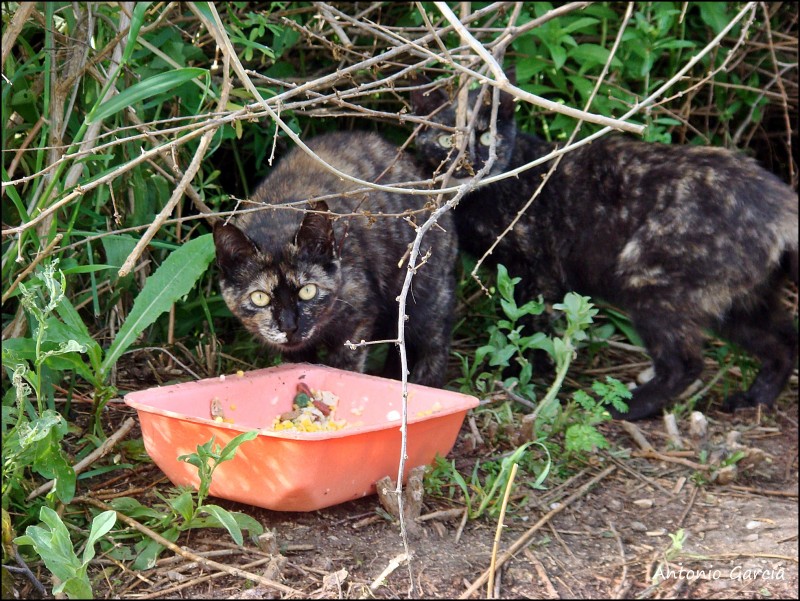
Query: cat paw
x=634, y=413
x=740, y=400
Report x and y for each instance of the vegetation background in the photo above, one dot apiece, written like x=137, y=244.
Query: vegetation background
x=128, y=127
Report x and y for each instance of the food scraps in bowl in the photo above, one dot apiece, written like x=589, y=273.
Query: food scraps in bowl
x=312, y=411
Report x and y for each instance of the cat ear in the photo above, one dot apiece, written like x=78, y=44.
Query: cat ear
x=424, y=102
x=315, y=236
x=506, y=108
x=233, y=246
x=511, y=73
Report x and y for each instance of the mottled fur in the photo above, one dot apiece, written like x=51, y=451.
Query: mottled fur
x=681, y=237
x=353, y=261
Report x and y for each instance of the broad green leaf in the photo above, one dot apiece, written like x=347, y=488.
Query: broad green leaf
x=118, y=248
x=65, y=477
x=579, y=24
x=173, y=280
x=70, y=346
x=134, y=509
x=39, y=428
x=224, y=517
x=76, y=587
x=715, y=14
x=152, y=86
x=248, y=523
x=101, y=524
x=587, y=55
x=183, y=504
x=150, y=550
x=53, y=544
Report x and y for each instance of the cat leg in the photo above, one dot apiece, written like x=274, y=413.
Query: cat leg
x=428, y=332
x=676, y=351
x=304, y=356
x=392, y=367
x=771, y=339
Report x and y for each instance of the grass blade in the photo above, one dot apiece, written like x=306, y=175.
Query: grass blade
x=152, y=86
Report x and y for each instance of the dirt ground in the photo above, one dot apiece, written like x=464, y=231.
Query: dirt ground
x=609, y=539
x=610, y=529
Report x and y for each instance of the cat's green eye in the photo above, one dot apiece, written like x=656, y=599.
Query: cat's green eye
x=486, y=138
x=259, y=298
x=307, y=292
x=445, y=140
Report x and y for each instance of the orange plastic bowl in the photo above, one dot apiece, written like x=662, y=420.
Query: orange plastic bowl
x=290, y=470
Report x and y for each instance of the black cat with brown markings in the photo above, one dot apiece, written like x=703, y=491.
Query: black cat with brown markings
x=305, y=282
x=681, y=237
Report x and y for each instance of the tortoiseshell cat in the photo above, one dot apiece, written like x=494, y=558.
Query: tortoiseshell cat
x=305, y=282
x=681, y=237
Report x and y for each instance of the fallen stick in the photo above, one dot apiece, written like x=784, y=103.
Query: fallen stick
x=395, y=563
x=653, y=454
x=637, y=435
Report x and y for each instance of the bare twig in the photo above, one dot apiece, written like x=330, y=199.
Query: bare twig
x=637, y=435
x=501, y=81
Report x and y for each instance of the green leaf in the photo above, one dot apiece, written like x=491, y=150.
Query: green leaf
x=250, y=44
x=558, y=54
x=150, y=550
x=248, y=523
x=462, y=484
x=226, y=520
x=76, y=587
x=580, y=23
x=505, y=283
x=137, y=20
x=183, y=504
x=54, y=546
x=86, y=269
x=65, y=477
x=230, y=449
x=173, y=280
x=152, y=86
x=588, y=55
x=101, y=524
x=584, y=438
x=715, y=15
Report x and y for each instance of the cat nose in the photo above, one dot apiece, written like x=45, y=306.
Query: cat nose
x=288, y=321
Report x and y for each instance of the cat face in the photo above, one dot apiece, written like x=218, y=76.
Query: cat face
x=439, y=146
x=286, y=296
